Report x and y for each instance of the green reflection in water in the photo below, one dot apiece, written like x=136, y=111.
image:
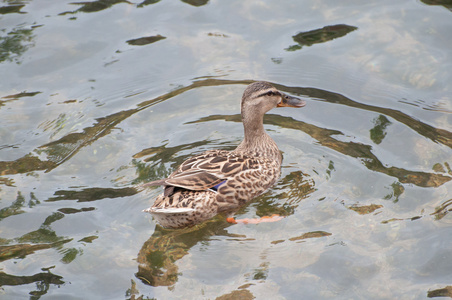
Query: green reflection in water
x=397, y=191
x=446, y=3
x=9, y=98
x=365, y=209
x=69, y=255
x=15, y=43
x=41, y=239
x=442, y=210
x=14, y=209
x=322, y=35
x=145, y=40
x=92, y=194
x=378, y=133
x=196, y=2
x=42, y=280
x=94, y=6
x=442, y=169
x=10, y=9
x=443, y=292
x=147, y=2
x=330, y=169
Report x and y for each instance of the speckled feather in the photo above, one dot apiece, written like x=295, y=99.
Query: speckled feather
x=189, y=196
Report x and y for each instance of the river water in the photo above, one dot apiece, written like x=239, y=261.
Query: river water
x=99, y=97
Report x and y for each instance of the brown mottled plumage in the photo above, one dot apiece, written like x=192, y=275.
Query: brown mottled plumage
x=219, y=180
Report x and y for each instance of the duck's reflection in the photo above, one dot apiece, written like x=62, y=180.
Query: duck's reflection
x=157, y=259
x=159, y=254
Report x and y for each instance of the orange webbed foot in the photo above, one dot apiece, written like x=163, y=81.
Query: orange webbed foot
x=265, y=219
x=231, y=220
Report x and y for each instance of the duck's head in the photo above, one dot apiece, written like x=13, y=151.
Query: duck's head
x=260, y=97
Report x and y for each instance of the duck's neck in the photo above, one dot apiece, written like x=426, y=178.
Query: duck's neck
x=256, y=140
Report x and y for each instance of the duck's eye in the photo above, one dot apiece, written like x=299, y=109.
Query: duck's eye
x=270, y=93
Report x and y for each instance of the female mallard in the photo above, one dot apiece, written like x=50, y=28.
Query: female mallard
x=222, y=181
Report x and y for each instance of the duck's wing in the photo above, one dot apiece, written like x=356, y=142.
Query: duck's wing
x=204, y=171
x=196, y=180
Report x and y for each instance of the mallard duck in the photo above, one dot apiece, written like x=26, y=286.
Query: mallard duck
x=222, y=181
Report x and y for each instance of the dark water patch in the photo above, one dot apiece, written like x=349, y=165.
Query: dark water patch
x=93, y=6
x=310, y=235
x=196, y=2
x=397, y=190
x=242, y=294
x=446, y=3
x=378, y=133
x=442, y=292
x=22, y=250
x=89, y=239
x=148, y=2
x=69, y=210
x=25, y=164
x=145, y=40
x=43, y=278
x=92, y=194
x=322, y=35
x=12, y=9
x=20, y=95
x=365, y=209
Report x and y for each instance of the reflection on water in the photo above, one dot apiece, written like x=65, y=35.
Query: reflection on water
x=397, y=191
x=446, y=3
x=378, y=133
x=444, y=292
x=196, y=2
x=357, y=150
x=15, y=43
x=31, y=242
x=60, y=150
x=10, y=9
x=145, y=40
x=99, y=5
x=94, y=6
x=365, y=209
x=321, y=35
x=42, y=280
x=159, y=255
x=442, y=210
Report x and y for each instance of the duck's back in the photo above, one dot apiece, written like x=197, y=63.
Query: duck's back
x=212, y=182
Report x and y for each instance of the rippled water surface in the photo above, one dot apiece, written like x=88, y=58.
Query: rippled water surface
x=99, y=97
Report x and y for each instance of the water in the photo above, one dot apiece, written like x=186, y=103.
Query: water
x=98, y=97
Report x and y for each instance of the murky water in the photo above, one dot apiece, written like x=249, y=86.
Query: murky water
x=99, y=97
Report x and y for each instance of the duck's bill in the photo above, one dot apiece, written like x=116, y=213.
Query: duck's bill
x=289, y=101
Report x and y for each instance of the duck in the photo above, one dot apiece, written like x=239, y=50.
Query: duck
x=221, y=181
